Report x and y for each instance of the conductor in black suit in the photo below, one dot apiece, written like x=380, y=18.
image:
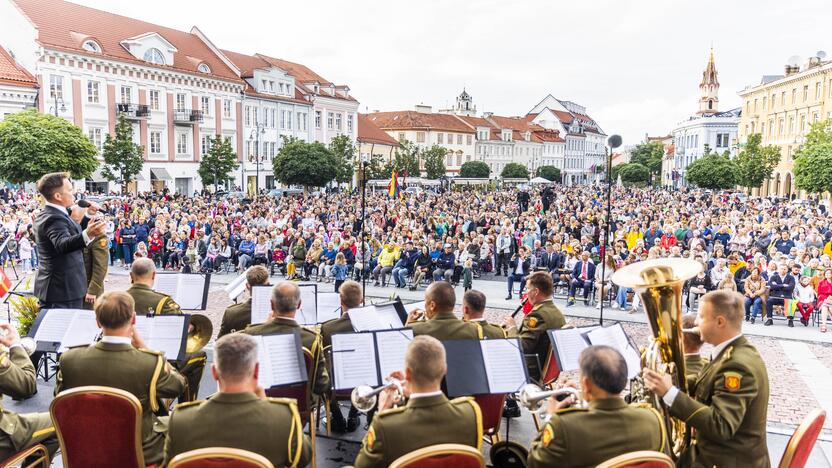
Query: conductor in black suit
x=61, y=281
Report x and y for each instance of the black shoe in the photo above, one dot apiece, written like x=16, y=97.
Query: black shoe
x=511, y=410
x=805, y=322
x=747, y=318
x=352, y=423
x=791, y=323
x=769, y=322
x=753, y=319
x=508, y=298
x=412, y=288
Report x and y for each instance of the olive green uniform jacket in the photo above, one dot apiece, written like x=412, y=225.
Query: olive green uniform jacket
x=445, y=327
x=235, y=318
x=586, y=437
x=127, y=368
x=488, y=331
x=96, y=262
x=728, y=410
x=269, y=427
x=19, y=431
x=543, y=316
x=694, y=363
x=423, y=421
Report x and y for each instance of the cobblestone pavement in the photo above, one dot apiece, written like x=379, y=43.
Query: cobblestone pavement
x=790, y=400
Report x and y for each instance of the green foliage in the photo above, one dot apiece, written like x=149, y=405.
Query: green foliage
x=475, y=169
x=434, y=161
x=813, y=163
x=33, y=144
x=648, y=155
x=633, y=173
x=344, y=152
x=377, y=169
x=405, y=160
x=122, y=158
x=550, y=173
x=712, y=172
x=26, y=310
x=514, y=171
x=220, y=161
x=306, y=164
x=755, y=163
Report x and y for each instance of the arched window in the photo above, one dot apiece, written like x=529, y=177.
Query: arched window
x=154, y=55
x=92, y=46
x=710, y=105
x=204, y=68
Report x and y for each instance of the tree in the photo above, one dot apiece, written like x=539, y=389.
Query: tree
x=550, y=173
x=344, y=152
x=813, y=163
x=713, y=171
x=475, y=169
x=377, y=169
x=515, y=171
x=648, y=155
x=755, y=163
x=306, y=164
x=122, y=158
x=633, y=173
x=434, y=161
x=406, y=160
x=33, y=144
x=220, y=161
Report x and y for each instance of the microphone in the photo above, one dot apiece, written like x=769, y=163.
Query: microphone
x=83, y=203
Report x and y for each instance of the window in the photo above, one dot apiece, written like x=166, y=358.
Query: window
x=765, y=103
x=805, y=93
x=802, y=124
x=205, y=144
x=349, y=123
x=317, y=119
x=248, y=116
x=283, y=119
x=338, y=121
x=92, y=46
x=794, y=96
x=154, y=55
x=93, y=92
x=155, y=142
x=440, y=138
x=154, y=99
x=126, y=94
x=459, y=139
x=330, y=118
x=468, y=139
x=302, y=121
x=180, y=102
x=420, y=137
x=94, y=134
x=181, y=143
x=56, y=86
x=721, y=140
x=204, y=68
x=226, y=108
x=791, y=125
x=205, y=105
x=817, y=91
x=783, y=99
x=401, y=138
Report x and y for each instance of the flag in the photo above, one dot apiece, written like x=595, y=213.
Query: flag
x=5, y=283
x=789, y=306
x=393, y=190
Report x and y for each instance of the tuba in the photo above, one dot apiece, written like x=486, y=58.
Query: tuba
x=199, y=333
x=659, y=283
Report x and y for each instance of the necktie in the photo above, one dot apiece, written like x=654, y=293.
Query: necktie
x=583, y=271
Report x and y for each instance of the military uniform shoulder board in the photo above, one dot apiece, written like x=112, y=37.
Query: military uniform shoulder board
x=727, y=354
x=462, y=399
x=282, y=401
x=189, y=404
x=85, y=345
x=151, y=351
x=390, y=411
x=571, y=409
x=537, y=306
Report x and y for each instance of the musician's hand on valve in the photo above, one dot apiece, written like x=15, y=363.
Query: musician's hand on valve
x=415, y=315
x=554, y=405
x=659, y=384
x=387, y=398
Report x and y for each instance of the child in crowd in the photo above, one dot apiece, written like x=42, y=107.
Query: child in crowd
x=339, y=270
x=805, y=295
x=467, y=275
x=25, y=252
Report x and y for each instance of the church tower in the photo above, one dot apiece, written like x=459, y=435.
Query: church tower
x=709, y=88
x=465, y=105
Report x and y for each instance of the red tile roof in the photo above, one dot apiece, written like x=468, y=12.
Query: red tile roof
x=368, y=132
x=246, y=63
x=13, y=73
x=64, y=25
x=401, y=120
x=302, y=75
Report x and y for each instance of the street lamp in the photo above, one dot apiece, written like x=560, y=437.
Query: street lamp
x=365, y=163
x=614, y=141
x=255, y=136
x=58, y=102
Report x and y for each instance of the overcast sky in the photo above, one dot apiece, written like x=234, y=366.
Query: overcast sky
x=635, y=65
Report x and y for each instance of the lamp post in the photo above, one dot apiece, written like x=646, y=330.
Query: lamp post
x=613, y=142
x=58, y=102
x=255, y=136
x=365, y=163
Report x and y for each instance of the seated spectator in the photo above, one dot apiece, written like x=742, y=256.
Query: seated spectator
x=781, y=286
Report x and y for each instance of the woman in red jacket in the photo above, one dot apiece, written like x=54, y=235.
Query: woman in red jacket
x=825, y=298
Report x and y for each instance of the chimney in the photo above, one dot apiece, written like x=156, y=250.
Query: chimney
x=792, y=69
x=487, y=115
x=423, y=109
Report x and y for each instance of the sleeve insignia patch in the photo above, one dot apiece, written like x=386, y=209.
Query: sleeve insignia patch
x=733, y=381
x=371, y=438
x=531, y=322
x=103, y=243
x=548, y=433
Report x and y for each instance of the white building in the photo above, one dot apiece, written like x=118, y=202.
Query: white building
x=18, y=88
x=708, y=127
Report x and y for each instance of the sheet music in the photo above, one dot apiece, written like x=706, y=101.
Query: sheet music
x=165, y=283
x=82, y=330
x=236, y=287
x=570, y=343
x=329, y=306
x=414, y=305
x=365, y=319
x=279, y=363
x=166, y=335
x=388, y=317
x=633, y=358
x=504, y=364
x=308, y=313
x=615, y=337
x=261, y=305
x=54, y=325
x=353, y=360
x=189, y=291
x=392, y=346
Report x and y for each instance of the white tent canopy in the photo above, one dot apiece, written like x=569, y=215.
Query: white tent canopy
x=540, y=180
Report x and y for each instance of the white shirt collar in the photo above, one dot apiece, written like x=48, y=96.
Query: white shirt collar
x=117, y=339
x=481, y=319
x=720, y=347
x=57, y=206
x=425, y=395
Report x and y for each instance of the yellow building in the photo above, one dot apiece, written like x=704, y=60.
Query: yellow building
x=781, y=109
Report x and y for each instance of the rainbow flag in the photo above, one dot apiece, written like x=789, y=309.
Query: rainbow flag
x=393, y=189
x=789, y=307
x=5, y=283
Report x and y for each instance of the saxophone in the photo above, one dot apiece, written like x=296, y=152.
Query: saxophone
x=659, y=284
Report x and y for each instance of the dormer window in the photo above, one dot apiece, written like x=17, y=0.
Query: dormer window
x=316, y=88
x=92, y=46
x=154, y=55
x=204, y=68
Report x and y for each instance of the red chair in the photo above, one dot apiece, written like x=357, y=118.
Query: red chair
x=35, y=450
x=803, y=440
x=551, y=370
x=491, y=407
x=640, y=459
x=219, y=457
x=441, y=456
x=98, y=427
x=302, y=394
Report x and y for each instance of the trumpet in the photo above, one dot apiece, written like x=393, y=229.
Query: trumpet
x=532, y=397
x=692, y=331
x=364, y=397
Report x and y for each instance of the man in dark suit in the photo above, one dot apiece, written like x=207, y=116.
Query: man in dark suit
x=583, y=274
x=781, y=287
x=61, y=281
x=518, y=269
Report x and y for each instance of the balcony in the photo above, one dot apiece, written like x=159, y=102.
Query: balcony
x=133, y=111
x=187, y=117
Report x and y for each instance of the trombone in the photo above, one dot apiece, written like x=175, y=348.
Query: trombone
x=364, y=397
x=532, y=397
